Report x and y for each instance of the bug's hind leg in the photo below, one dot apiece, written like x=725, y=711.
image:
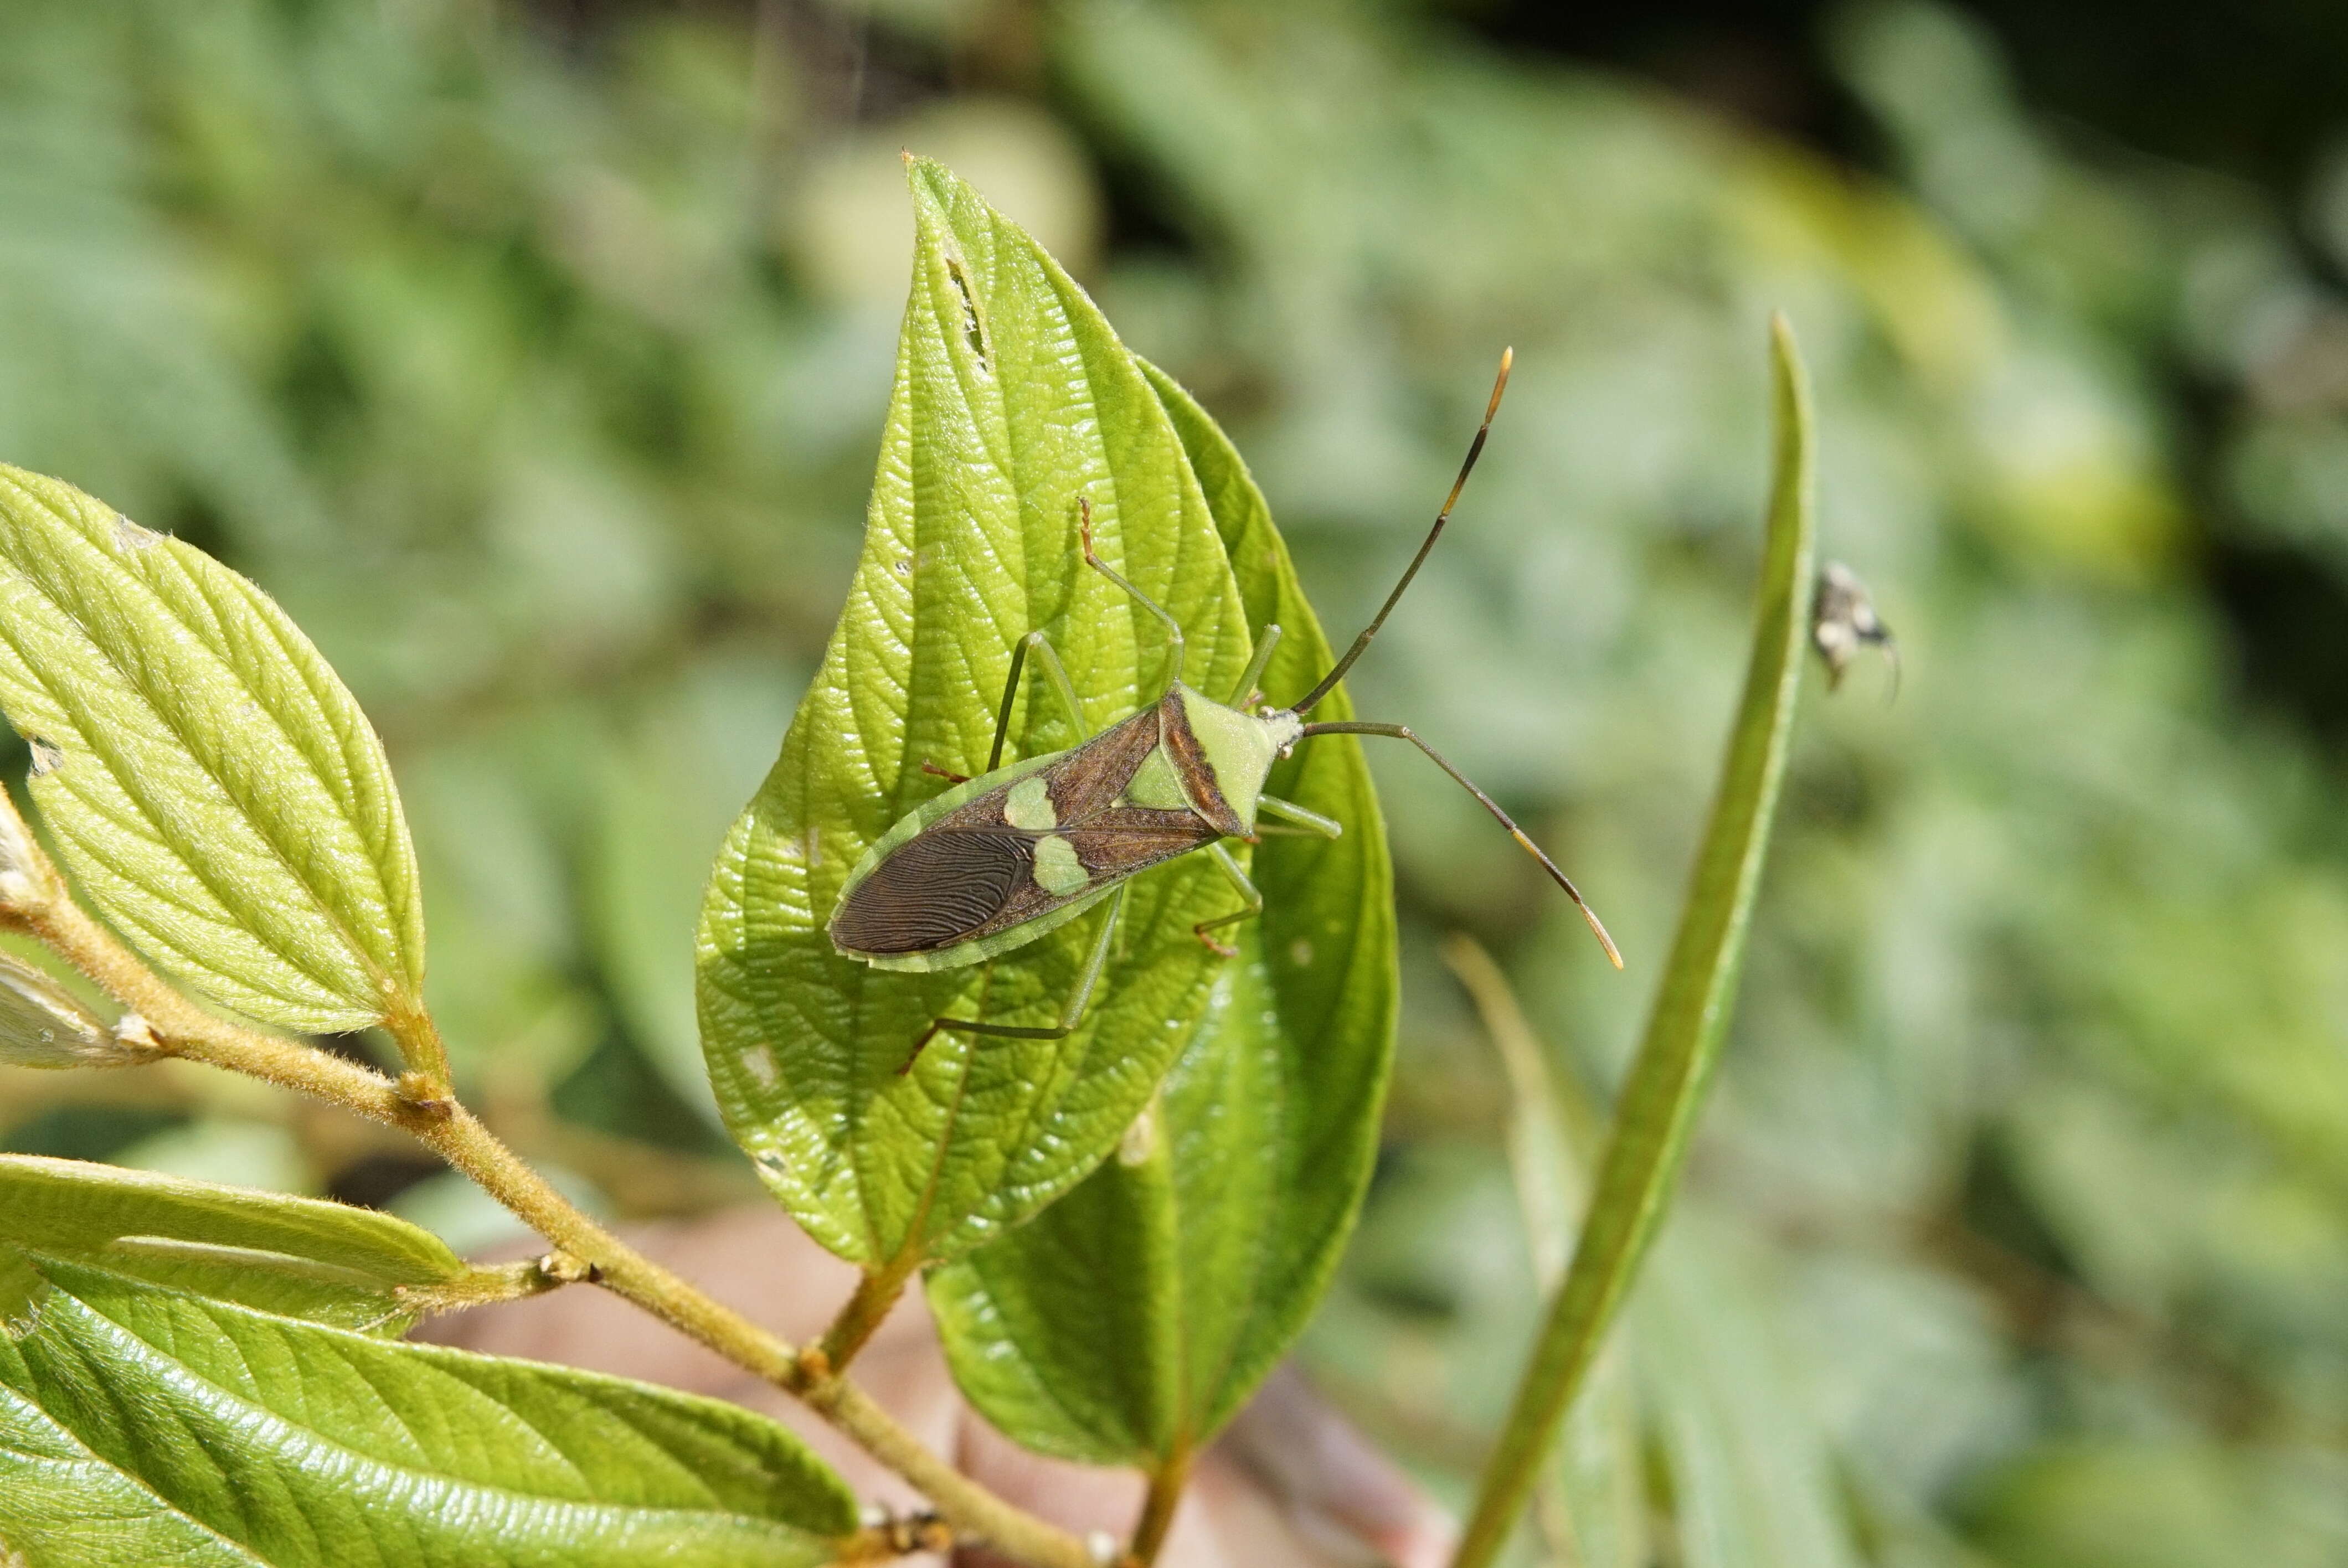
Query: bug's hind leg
x=1054, y=671
x=1070, y=1016
x=1247, y=890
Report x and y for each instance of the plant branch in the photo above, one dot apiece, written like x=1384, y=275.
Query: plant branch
x=1157, y=1506
x=34, y=898
x=877, y=1291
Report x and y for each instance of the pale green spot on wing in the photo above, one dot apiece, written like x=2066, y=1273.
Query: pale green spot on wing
x=1029, y=806
x=1057, y=870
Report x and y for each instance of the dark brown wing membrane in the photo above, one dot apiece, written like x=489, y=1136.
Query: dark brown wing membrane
x=935, y=889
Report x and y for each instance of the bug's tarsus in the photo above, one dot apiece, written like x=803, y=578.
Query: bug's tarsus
x=1475, y=450
x=1245, y=889
x=1404, y=733
x=1173, y=627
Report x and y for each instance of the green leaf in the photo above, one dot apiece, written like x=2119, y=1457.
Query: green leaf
x=211, y=784
x=327, y=1262
x=1665, y=1085
x=1129, y=1321
x=1013, y=398
x=139, y=1425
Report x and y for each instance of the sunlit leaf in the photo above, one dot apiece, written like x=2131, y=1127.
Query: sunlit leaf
x=1013, y=399
x=142, y=1425
x=211, y=784
x=1130, y=1320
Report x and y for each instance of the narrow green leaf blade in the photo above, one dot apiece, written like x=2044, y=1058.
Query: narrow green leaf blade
x=143, y=1425
x=303, y=1258
x=212, y=785
x=1013, y=398
x=1129, y=1321
x=1667, y=1079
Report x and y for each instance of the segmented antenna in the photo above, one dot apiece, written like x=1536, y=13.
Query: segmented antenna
x=1475, y=450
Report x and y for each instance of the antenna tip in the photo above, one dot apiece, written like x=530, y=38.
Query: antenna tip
x=1605, y=941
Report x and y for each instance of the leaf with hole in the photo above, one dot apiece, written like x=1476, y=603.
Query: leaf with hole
x=209, y=782
x=1129, y=1321
x=1014, y=399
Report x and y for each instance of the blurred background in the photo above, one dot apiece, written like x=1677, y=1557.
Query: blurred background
x=534, y=355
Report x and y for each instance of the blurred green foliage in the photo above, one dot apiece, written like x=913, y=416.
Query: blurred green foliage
x=537, y=366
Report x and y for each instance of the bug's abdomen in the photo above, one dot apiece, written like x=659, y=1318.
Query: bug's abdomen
x=934, y=890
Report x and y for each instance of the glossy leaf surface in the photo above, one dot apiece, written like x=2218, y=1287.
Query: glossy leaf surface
x=139, y=1425
x=211, y=784
x=1131, y=1319
x=1013, y=399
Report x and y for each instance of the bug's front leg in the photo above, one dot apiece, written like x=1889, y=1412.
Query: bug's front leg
x=1247, y=890
x=1070, y=1015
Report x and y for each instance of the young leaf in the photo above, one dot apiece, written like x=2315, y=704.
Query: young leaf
x=1667, y=1079
x=1013, y=399
x=142, y=1425
x=1129, y=1321
x=303, y=1258
x=211, y=784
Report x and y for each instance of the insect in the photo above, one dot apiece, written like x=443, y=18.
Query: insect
x=999, y=860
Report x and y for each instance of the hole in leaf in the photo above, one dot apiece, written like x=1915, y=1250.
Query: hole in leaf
x=971, y=332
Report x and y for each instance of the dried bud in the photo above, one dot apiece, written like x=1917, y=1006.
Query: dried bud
x=43, y=1025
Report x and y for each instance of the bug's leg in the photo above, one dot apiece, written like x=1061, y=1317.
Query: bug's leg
x=1054, y=671
x=1313, y=822
x=1173, y=628
x=1247, y=890
x=1264, y=644
x=1070, y=1016
x=930, y=767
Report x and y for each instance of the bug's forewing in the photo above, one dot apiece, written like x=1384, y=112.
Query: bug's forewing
x=964, y=887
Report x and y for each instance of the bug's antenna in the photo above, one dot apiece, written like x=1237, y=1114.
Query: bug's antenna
x=1404, y=732
x=1475, y=450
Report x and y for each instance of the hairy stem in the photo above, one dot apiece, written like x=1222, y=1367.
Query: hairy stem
x=877, y=1291
x=33, y=898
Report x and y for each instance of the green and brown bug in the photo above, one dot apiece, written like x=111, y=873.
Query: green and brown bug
x=1000, y=860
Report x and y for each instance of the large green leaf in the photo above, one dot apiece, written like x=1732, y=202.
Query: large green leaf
x=1127, y=1323
x=140, y=1425
x=1013, y=398
x=1648, y=1137
x=327, y=1262
x=211, y=783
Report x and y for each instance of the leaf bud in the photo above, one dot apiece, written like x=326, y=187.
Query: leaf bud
x=44, y=1025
